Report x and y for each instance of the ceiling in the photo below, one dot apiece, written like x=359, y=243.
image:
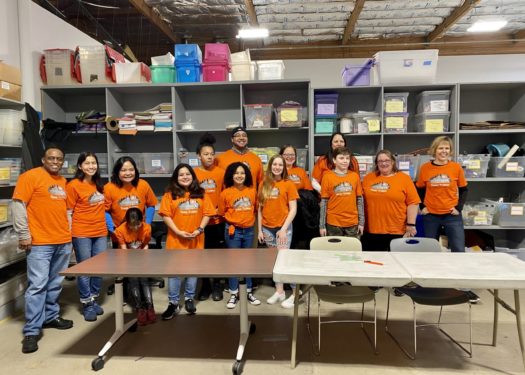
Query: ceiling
x=299, y=29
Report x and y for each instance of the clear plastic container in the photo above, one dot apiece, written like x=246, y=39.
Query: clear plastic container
x=366, y=164
x=190, y=158
x=163, y=74
x=433, y=101
x=356, y=75
x=130, y=72
x=301, y=157
x=258, y=116
x=432, y=122
x=5, y=172
x=501, y=167
x=103, y=162
x=395, y=123
x=407, y=67
x=11, y=127
x=241, y=57
x=5, y=210
x=325, y=125
x=270, y=69
x=136, y=156
x=9, y=247
x=158, y=163
x=59, y=66
x=367, y=122
x=396, y=102
x=510, y=215
x=478, y=213
x=93, y=64
x=510, y=247
x=289, y=116
x=326, y=104
x=243, y=71
x=474, y=165
x=408, y=164
x=70, y=164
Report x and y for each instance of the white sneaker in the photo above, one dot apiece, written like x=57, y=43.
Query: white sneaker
x=253, y=300
x=232, y=302
x=289, y=302
x=276, y=297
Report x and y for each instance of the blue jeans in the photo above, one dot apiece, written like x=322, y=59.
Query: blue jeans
x=85, y=248
x=44, y=284
x=270, y=237
x=174, y=284
x=453, y=226
x=241, y=239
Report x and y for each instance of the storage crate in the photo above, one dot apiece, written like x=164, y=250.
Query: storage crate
x=9, y=251
x=158, y=163
x=289, y=116
x=70, y=164
x=407, y=67
x=366, y=122
x=217, y=53
x=396, y=123
x=135, y=72
x=478, y=213
x=396, y=102
x=366, y=164
x=190, y=158
x=243, y=71
x=136, y=156
x=433, y=101
x=5, y=172
x=325, y=125
x=326, y=104
x=13, y=283
x=188, y=72
x=474, y=165
x=510, y=247
x=433, y=122
x=188, y=54
x=163, y=74
x=270, y=69
x=92, y=65
x=408, y=164
x=15, y=168
x=11, y=127
x=258, y=116
x=241, y=57
x=5, y=210
x=301, y=157
x=357, y=75
x=503, y=167
x=59, y=67
x=214, y=72
x=510, y=214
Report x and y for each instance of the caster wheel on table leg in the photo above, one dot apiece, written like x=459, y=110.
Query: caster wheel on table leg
x=253, y=328
x=97, y=364
x=237, y=368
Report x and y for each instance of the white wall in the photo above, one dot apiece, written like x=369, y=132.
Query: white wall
x=9, y=43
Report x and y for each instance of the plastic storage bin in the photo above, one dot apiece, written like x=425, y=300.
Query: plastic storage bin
x=13, y=283
x=9, y=247
x=70, y=164
x=137, y=157
x=5, y=172
x=366, y=122
x=301, y=157
x=103, y=163
x=366, y=164
x=357, y=75
x=270, y=69
x=407, y=67
x=163, y=74
x=188, y=72
x=510, y=214
x=59, y=66
x=510, y=247
x=325, y=125
x=93, y=65
x=190, y=158
x=478, y=213
x=289, y=116
x=243, y=71
x=513, y=167
x=326, y=104
x=5, y=210
x=214, y=72
x=474, y=165
x=187, y=54
x=132, y=72
x=408, y=164
x=258, y=116
x=433, y=101
x=11, y=127
x=240, y=57
x=158, y=163
x=396, y=123
x=217, y=53
x=396, y=102
x=433, y=122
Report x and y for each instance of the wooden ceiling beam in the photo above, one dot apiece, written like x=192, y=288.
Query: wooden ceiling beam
x=352, y=20
x=252, y=15
x=452, y=19
x=519, y=34
x=154, y=18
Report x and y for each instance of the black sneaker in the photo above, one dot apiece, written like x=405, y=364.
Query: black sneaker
x=473, y=297
x=30, y=343
x=203, y=295
x=216, y=295
x=189, y=305
x=58, y=323
x=170, y=312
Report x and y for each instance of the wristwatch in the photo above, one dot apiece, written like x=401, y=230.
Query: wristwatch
x=200, y=229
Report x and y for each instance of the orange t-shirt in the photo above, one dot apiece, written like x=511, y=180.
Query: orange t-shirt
x=441, y=183
x=342, y=193
x=88, y=209
x=249, y=158
x=275, y=207
x=321, y=167
x=238, y=206
x=299, y=177
x=119, y=200
x=386, y=202
x=187, y=215
x=211, y=181
x=133, y=240
x=44, y=195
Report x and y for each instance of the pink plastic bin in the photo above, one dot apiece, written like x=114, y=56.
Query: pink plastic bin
x=214, y=72
x=216, y=52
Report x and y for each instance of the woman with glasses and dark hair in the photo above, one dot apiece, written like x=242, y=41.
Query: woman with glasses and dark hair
x=391, y=204
x=85, y=207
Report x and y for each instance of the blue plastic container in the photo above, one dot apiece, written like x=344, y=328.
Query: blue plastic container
x=188, y=72
x=187, y=54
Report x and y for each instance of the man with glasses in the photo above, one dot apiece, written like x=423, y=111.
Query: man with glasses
x=240, y=153
x=41, y=223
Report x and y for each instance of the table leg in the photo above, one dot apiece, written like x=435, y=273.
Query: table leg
x=496, y=318
x=245, y=326
x=294, y=325
x=517, y=308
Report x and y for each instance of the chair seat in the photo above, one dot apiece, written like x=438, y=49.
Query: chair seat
x=344, y=294
x=436, y=296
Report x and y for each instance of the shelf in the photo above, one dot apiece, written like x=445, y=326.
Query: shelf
x=497, y=179
x=5, y=225
x=155, y=175
x=493, y=131
x=10, y=104
x=351, y=135
x=491, y=227
x=12, y=184
x=19, y=258
x=11, y=146
x=419, y=134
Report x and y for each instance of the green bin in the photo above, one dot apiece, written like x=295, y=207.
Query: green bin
x=163, y=74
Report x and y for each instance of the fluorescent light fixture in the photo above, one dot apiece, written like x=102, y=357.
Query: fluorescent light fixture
x=486, y=26
x=252, y=33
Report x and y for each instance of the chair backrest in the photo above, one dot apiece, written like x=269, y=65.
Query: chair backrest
x=415, y=244
x=335, y=243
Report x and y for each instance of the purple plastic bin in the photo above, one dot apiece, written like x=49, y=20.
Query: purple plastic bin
x=326, y=104
x=357, y=75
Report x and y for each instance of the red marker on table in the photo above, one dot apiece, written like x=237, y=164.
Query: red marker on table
x=372, y=262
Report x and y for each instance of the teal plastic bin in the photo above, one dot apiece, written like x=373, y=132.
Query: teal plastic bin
x=163, y=74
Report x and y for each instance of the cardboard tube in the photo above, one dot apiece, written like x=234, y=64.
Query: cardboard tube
x=112, y=124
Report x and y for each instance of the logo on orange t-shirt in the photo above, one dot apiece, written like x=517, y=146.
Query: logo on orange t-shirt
x=96, y=198
x=274, y=194
x=294, y=178
x=128, y=202
x=381, y=187
x=189, y=207
x=242, y=204
x=440, y=180
x=343, y=188
x=56, y=192
x=209, y=185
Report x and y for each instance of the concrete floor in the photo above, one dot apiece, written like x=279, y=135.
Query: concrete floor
x=206, y=343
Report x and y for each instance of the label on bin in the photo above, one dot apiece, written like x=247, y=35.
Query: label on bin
x=374, y=126
x=193, y=162
x=289, y=115
x=394, y=106
x=438, y=105
x=395, y=122
x=6, y=86
x=65, y=164
x=516, y=210
x=3, y=214
x=404, y=165
x=481, y=218
x=472, y=164
x=325, y=109
x=5, y=174
x=512, y=166
x=156, y=163
x=434, y=125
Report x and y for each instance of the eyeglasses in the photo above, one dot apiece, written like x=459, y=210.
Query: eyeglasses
x=240, y=136
x=55, y=158
x=388, y=161
x=288, y=155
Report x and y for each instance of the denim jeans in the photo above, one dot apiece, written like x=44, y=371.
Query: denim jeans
x=85, y=248
x=453, y=226
x=270, y=237
x=241, y=239
x=44, y=284
x=174, y=284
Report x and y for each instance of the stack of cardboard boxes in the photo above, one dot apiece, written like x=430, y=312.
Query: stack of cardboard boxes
x=10, y=82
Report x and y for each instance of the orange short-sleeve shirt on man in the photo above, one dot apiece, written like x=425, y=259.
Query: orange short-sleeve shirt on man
x=441, y=183
x=238, y=206
x=275, y=207
x=251, y=160
x=120, y=199
x=299, y=177
x=186, y=214
x=44, y=195
x=342, y=193
x=386, y=202
x=211, y=181
x=87, y=204
x=138, y=239
x=321, y=167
